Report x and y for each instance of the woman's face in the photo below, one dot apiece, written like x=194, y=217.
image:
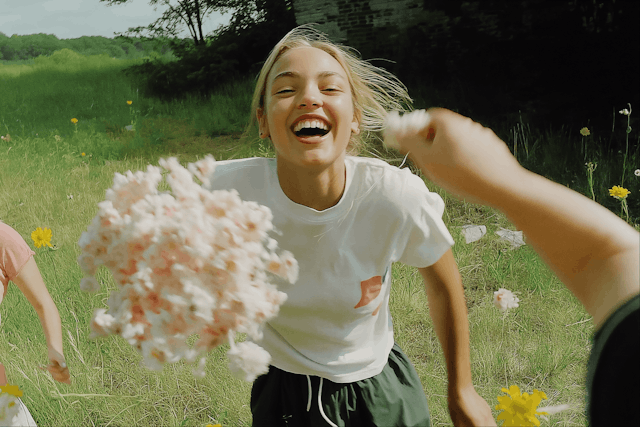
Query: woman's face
x=308, y=108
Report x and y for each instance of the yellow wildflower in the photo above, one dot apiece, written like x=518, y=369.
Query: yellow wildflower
x=74, y=120
x=520, y=409
x=82, y=154
x=129, y=102
x=585, y=132
x=212, y=425
x=618, y=192
x=13, y=390
x=41, y=237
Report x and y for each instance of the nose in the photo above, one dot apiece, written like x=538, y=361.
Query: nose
x=310, y=98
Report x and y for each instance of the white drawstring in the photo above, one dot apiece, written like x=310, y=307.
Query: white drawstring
x=320, y=406
x=319, y=402
x=309, y=403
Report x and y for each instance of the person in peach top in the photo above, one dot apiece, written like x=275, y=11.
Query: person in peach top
x=18, y=265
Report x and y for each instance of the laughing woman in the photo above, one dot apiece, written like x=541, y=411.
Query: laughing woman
x=346, y=219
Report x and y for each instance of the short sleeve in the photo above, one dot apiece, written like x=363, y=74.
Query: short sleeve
x=424, y=237
x=14, y=254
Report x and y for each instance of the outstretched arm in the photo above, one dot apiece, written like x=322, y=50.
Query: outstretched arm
x=448, y=310
x=30, y=283
x=592, y=251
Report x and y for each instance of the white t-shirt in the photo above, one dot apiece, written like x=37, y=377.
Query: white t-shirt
x=336, y=323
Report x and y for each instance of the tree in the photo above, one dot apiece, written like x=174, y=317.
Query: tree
x=180, y=13
x=230, y=52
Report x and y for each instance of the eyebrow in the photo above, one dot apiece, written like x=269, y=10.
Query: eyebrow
x=293, y=74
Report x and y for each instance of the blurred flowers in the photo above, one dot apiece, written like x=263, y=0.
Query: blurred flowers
x=625, y=112
x=189, y=261
x=585, y=131
x=618, y=192
x=129, y=102
x=83, y=154
x=41, y=237
x=74, y=121
x=637, y=172
x=504, y=299
x=6, y=138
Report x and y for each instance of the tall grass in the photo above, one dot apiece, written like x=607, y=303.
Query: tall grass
x=537, y=345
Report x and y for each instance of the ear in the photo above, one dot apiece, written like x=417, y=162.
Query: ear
x=355, y=125
x=262, y=123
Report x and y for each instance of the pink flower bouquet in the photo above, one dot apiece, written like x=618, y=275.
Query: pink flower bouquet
x=189, y=261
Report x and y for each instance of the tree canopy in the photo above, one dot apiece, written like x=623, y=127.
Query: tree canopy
x=180, y=14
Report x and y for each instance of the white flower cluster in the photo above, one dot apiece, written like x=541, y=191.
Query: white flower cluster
x=188, y=262
x=504, y=299
x=8, y=408
x=397, y=126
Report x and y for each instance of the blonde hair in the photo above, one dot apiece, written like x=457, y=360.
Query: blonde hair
x=374, y=90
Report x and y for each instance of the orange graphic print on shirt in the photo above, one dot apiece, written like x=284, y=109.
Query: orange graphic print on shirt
x=370, y=290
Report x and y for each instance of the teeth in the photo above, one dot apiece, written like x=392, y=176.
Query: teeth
x=310, y=124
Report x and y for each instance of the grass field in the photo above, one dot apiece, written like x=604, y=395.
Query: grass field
x=54, y=172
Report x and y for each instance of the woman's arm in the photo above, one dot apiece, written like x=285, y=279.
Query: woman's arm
x=592, y=251
x=30, y=283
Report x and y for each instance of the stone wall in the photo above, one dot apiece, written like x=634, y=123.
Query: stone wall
x=362, y=24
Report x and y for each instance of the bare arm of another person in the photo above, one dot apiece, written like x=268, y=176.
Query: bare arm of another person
x=30, y=283
x=591, y=250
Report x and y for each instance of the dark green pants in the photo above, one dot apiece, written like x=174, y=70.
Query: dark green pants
x=392, y=398
x=613, y=370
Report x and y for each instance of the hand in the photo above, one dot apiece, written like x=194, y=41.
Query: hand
x=57, y=367
x=460, y=155
x=467, y=408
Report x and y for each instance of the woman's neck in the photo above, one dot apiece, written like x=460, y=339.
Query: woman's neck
x=318, y=189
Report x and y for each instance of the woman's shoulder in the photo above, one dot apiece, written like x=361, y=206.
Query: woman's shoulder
x=393, y=185
x=232, y=164
x=373, y=170
x=251, y=172
x=8, y=235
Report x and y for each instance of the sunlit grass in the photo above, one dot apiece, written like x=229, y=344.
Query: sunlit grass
x=543, y=344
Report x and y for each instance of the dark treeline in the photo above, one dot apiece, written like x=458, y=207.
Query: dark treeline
x=559, y=62
x=563, y=62
x=31, y=46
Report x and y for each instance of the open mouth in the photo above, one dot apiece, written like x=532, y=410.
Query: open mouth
x=311, y=128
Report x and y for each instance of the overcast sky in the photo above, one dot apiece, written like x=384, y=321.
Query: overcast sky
x=69, y=19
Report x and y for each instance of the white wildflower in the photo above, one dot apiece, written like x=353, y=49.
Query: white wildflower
x=637, y=172
x=624, y=112
x=504, y=299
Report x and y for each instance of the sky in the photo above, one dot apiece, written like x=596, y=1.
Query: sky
x=69, y=19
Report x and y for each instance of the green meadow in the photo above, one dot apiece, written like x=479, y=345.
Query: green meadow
x=53, y=173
